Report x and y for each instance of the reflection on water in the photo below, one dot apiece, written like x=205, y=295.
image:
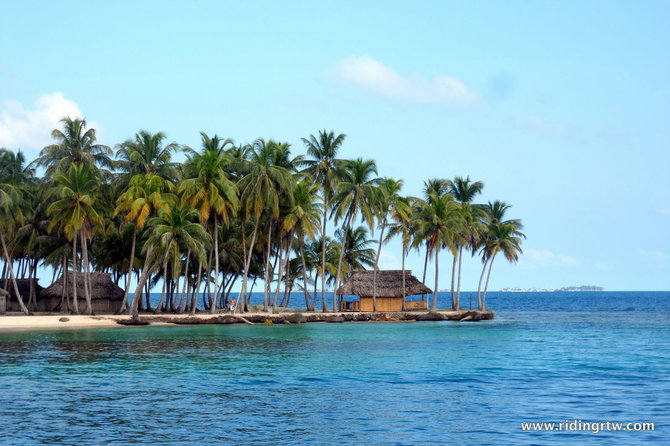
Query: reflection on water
x=365, y=383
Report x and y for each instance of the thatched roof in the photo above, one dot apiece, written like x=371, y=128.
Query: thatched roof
x=389, y=284
x=23, y=286
x=102, y=287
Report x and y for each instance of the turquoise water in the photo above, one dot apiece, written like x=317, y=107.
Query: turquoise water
x=589, y=356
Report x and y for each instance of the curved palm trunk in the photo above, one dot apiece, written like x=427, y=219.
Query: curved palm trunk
x=146, y=273
x=268, y=275
x=425, y=267
x=85, y=267
x=374, y=274
x=8, y=263
x=404, y=288
x=324, y=303
x=486, y=286
x=454, y=305
x=216, y=265
x=458, y=285
x=437, y=270
x=74, y=274
x=345, y=229
x=304, y=276
x=194, y=299
x=479, y=287
x=130, y=272
x=245, y=279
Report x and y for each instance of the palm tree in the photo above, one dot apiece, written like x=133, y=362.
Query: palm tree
x=145, y=195
x=75, y=145
x=501, y=236
x=173, y=234
x=147, y=155
x=75, y=214
x=355, y=248
x=358, y=192
x=211, y=192
x=261, y=190
x=464, y=191
x=303, y=220
x=402, y=225
x=323, y=166
x=437, y=222
x=390, y=202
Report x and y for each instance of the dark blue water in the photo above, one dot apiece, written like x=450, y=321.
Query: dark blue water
x=548, y=357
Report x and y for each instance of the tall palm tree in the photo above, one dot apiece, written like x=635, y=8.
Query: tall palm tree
x=10, y=216
x=499, y=235
x=146, y=154
x=322, y=165
x=303, y=220
x=75, y=214
x=437, y=223
x=261, y=190
x=211, y=191
x=145, y=196
x=401, y=225
x=355, y=248
x=390, y=202
x=75, y=145
x=358, y=192
x=464, y=192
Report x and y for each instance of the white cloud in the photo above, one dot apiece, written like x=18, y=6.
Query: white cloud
x=534, y=258
x=370, y=74
x=30, y=129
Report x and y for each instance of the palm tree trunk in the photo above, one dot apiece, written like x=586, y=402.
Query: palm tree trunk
x=146, y=273
x=11, y=274
x=404, y=307
x=304, y=275
x=453, y=275
x=437, y=270
x=159, y=307
x=324, y=303
x=374, y=274
x=345, y=228
x=74, y=274
x=458, y=286
x=194, y=299
x=126, y=289
x=425, y=267
x=247, y=265
x=267, y=275
x=479, y=287
x=84, y=266
x=64, y=303
x=486, y=286
x=216, y=263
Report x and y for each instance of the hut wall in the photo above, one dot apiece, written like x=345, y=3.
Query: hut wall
x=383, y=304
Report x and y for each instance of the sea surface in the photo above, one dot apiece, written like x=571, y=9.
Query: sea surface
x=547, y=357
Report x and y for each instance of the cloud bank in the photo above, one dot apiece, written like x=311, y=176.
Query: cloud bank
x=535, y=258
x=30, y=129
x=370, y=74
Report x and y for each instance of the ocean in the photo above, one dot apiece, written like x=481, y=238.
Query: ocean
x=570, y=358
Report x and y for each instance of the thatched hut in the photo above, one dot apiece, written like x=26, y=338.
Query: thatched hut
x=12, y=303
x=390, y=294
x=106, y=296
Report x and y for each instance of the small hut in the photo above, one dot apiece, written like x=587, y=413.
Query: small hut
x=390, y=294
x=106, y=296
x=12, y=303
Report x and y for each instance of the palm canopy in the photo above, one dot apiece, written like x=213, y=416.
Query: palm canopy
x=75, y=145
x=76, y=205
x=145, y=194
x=358, y=192
x=147, y=154
x=209, y=189
x=356, y=247
x=13, y=169
x=464, y=190
x=322, y=162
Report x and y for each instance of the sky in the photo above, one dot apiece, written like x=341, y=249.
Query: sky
x=562, y=109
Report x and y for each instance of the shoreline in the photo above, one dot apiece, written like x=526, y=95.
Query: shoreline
x=20, y=322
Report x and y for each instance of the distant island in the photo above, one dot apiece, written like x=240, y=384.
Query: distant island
x=583, y=288
x=551, y=290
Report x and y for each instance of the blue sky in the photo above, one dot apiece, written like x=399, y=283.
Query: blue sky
x=561, y=108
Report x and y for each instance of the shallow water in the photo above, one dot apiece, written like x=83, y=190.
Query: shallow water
x=359, y=383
